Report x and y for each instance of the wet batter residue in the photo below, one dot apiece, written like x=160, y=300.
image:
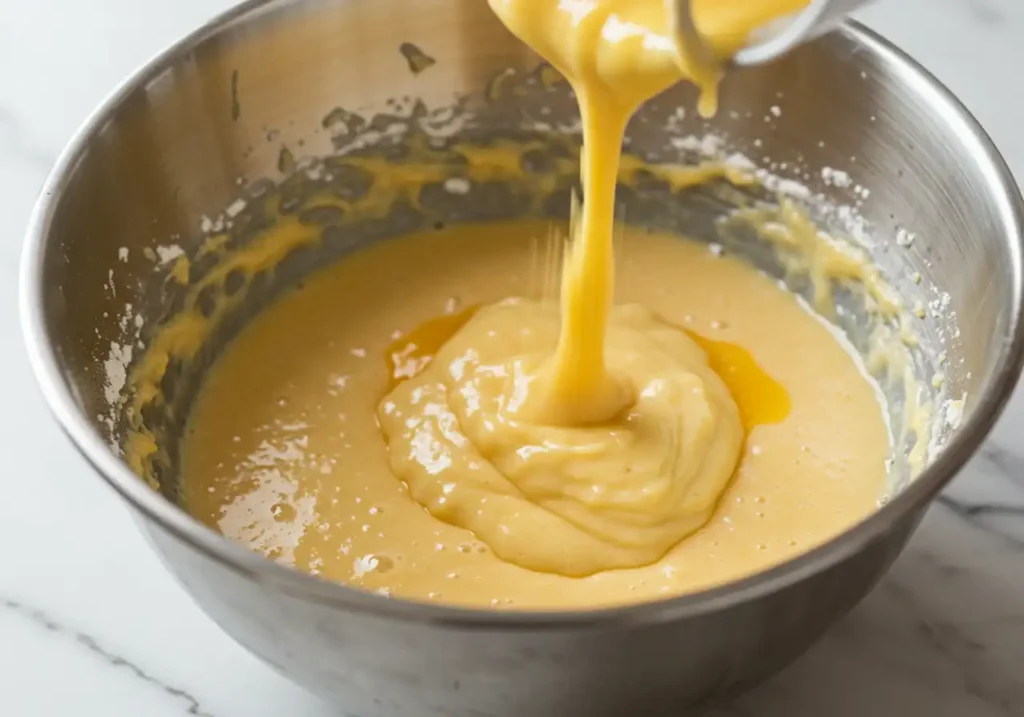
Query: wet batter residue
x=284, y=452
x=404, y=425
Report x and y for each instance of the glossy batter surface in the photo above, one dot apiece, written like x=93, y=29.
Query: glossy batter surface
x=284, y=452
x=609, y=433
x=616, y=54
x=475, y=449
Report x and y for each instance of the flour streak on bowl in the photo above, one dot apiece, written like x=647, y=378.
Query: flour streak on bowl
x=253, y=97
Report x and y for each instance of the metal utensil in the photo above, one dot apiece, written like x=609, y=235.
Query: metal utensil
x=168, y=148
x=771, y=41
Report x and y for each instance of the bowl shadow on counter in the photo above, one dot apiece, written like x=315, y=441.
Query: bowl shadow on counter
x=942, y=634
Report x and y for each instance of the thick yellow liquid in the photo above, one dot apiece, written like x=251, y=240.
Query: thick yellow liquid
x=616, y=54
x=533, y=454
x=283, y=452
x=760, y=398
x=600, y=428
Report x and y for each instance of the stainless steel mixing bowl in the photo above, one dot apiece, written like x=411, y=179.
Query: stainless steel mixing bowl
x=196, y=128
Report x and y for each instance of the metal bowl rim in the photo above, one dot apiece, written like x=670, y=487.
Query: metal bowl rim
x=269, y=575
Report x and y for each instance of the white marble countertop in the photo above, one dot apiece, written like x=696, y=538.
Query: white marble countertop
x=91, y=624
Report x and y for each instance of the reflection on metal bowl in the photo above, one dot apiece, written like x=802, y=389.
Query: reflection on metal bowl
x=271, y=89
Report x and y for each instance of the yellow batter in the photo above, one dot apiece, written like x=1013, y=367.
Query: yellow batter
x=616, y=54
x=284, y=455
x=605, y=493
x=607, y=432
x=565, y=455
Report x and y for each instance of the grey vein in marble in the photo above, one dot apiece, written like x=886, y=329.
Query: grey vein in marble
x=989, y=493
x=985, y=13
x=1005, y=521
x=46, y=622
x=942, y=635
x=16, y=145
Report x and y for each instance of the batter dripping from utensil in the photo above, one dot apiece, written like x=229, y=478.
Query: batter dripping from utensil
x=580, y=455
x=616, y=438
